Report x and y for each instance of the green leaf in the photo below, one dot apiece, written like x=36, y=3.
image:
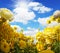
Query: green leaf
x=16, y=48
x=56, y=47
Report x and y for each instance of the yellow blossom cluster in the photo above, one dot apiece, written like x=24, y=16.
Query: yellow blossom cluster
x=48, y=37
x=12, y=41
x=4, y=46
x=6, y=32
x=9, y=37
x=54, y=17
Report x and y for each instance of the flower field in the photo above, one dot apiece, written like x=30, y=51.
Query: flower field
x=11, y=41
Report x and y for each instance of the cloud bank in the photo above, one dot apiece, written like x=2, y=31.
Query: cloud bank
x=25, y=11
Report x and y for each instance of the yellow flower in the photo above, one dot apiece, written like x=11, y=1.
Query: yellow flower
x=21, y=35
x=15, y=27
x=58, y=38
x=5, y=47
x=56, y=14
x=30, y=44
x=6, y=14
x=40, y=46
x=38, y=34
x=52, y=18
x=22, y=44
x=57, y=29
x=47, y=51
x=40, y=37
x=58, y=20
x=12, y=42
x=16, y=35
x=48, y=30
x=48, y=21
x=55, y=17
x=28, y=37
x=6, y=31
x=31, y=39
x=49, y=41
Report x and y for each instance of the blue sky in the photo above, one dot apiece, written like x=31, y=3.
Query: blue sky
x=31, y=14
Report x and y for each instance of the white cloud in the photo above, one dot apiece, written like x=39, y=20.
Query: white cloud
x=23, y=15
x=44, y=9
x=28, y=28
x=39, y=7
x=24, y=11
x=43, y=21
x=34, y=4
x=31, y=31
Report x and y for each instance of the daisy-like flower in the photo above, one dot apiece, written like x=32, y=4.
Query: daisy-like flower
x=58, y=20
x=48, y=21
x=55, y=17
x=5, y=47
x=22, y=44
x=6, y=14
x=49, y=41
x=47, y=51
x=56, y=14
x=40, y=46
x=21, y=35
x=6, y=31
